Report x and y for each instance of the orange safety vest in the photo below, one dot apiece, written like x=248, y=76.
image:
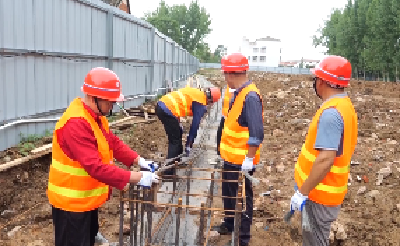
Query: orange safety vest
x=233, y=146
x=180, y=101
x=333, y=188
x=70, y=187
x=225, y=105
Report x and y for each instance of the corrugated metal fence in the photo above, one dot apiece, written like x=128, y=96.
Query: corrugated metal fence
x=48, y=46
x=286, y=70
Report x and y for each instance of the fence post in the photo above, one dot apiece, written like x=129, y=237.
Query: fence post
x=179, y=66
x=152, y=62
x=173, y=64
x=110, y=37
x=165, y=65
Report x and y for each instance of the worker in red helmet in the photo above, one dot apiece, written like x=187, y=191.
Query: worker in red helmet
x=184, y=102
x=82, y=170
x=241, y=141
x=323, y=165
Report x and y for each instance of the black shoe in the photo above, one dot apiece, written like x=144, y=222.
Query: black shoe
x=230, y=243
x=221, y=229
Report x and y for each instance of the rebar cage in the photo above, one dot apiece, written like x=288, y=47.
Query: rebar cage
x=150, y=220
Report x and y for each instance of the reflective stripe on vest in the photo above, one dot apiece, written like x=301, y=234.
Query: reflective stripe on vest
x=233, y=146
x=78, y=193
x=225, y=105
x=333, y=188
x=176, y=105
x=180, y=101
x=70, y=187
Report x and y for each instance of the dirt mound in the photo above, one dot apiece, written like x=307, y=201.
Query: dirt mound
x=370, y=213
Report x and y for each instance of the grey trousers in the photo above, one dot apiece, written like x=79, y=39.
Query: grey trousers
x=321, y=218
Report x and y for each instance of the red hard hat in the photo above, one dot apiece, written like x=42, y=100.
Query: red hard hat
x=103, y=83
x=215, y=94
x=235, y=62
x=223, y=61
x=334, y=69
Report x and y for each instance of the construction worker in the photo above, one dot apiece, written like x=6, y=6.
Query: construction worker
x=241, y=140
x=183, y=102
x=82, y=171
x=322, y=168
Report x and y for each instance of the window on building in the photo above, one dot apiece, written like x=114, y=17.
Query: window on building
x=248, y=58
x=264, y=49
x=254, y=58
x=255, y=50
x=262, y=58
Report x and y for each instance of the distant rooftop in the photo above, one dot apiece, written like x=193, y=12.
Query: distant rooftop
x=267, y=38
x=304, y=60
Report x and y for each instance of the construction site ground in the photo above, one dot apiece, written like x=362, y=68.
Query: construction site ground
x=369, y=216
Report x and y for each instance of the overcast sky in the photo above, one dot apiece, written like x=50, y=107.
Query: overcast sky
x=292, y=21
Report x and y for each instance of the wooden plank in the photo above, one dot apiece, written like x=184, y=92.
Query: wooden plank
x=46, y=149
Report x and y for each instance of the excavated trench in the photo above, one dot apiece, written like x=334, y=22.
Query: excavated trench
x=166, y=225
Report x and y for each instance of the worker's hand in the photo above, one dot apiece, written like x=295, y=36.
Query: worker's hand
x=247, y=164
x=148, y=178
x=187, y=150
x=298, y=201
x=148, y=165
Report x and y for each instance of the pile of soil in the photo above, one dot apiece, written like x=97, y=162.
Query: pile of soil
x=370, y=214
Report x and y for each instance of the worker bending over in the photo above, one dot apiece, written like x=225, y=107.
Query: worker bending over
x=241, y=139
x=183, y=102
x=82, y=170
x=322, y=168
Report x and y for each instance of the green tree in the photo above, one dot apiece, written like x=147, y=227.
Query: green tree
x=202, y=52
x=218, y=53
x=114, y=3
x=366, y=32
x=188, y=26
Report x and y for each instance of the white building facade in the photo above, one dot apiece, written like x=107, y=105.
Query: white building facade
x=264, y=52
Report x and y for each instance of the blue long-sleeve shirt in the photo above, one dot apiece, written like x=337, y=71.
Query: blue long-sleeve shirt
x=198, y=110
x=251, y=116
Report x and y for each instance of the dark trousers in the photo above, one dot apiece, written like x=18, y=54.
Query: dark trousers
x=75, y=228
x=230, y=189
x=219, y=133
x=174, y=133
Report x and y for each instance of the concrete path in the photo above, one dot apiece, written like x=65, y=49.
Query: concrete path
x=189, y=224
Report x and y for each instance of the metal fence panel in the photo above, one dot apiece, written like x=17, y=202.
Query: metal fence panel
x=47, y=48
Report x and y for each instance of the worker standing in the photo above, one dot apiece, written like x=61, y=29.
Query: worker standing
x=183, y=102
x=241, y=140
x=82, y=170
x=322, y=168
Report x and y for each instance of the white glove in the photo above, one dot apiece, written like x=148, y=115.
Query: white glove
x=298, y=201
x=148, y=178
x=100, y=239
x=149, y=165
x=247, y=164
